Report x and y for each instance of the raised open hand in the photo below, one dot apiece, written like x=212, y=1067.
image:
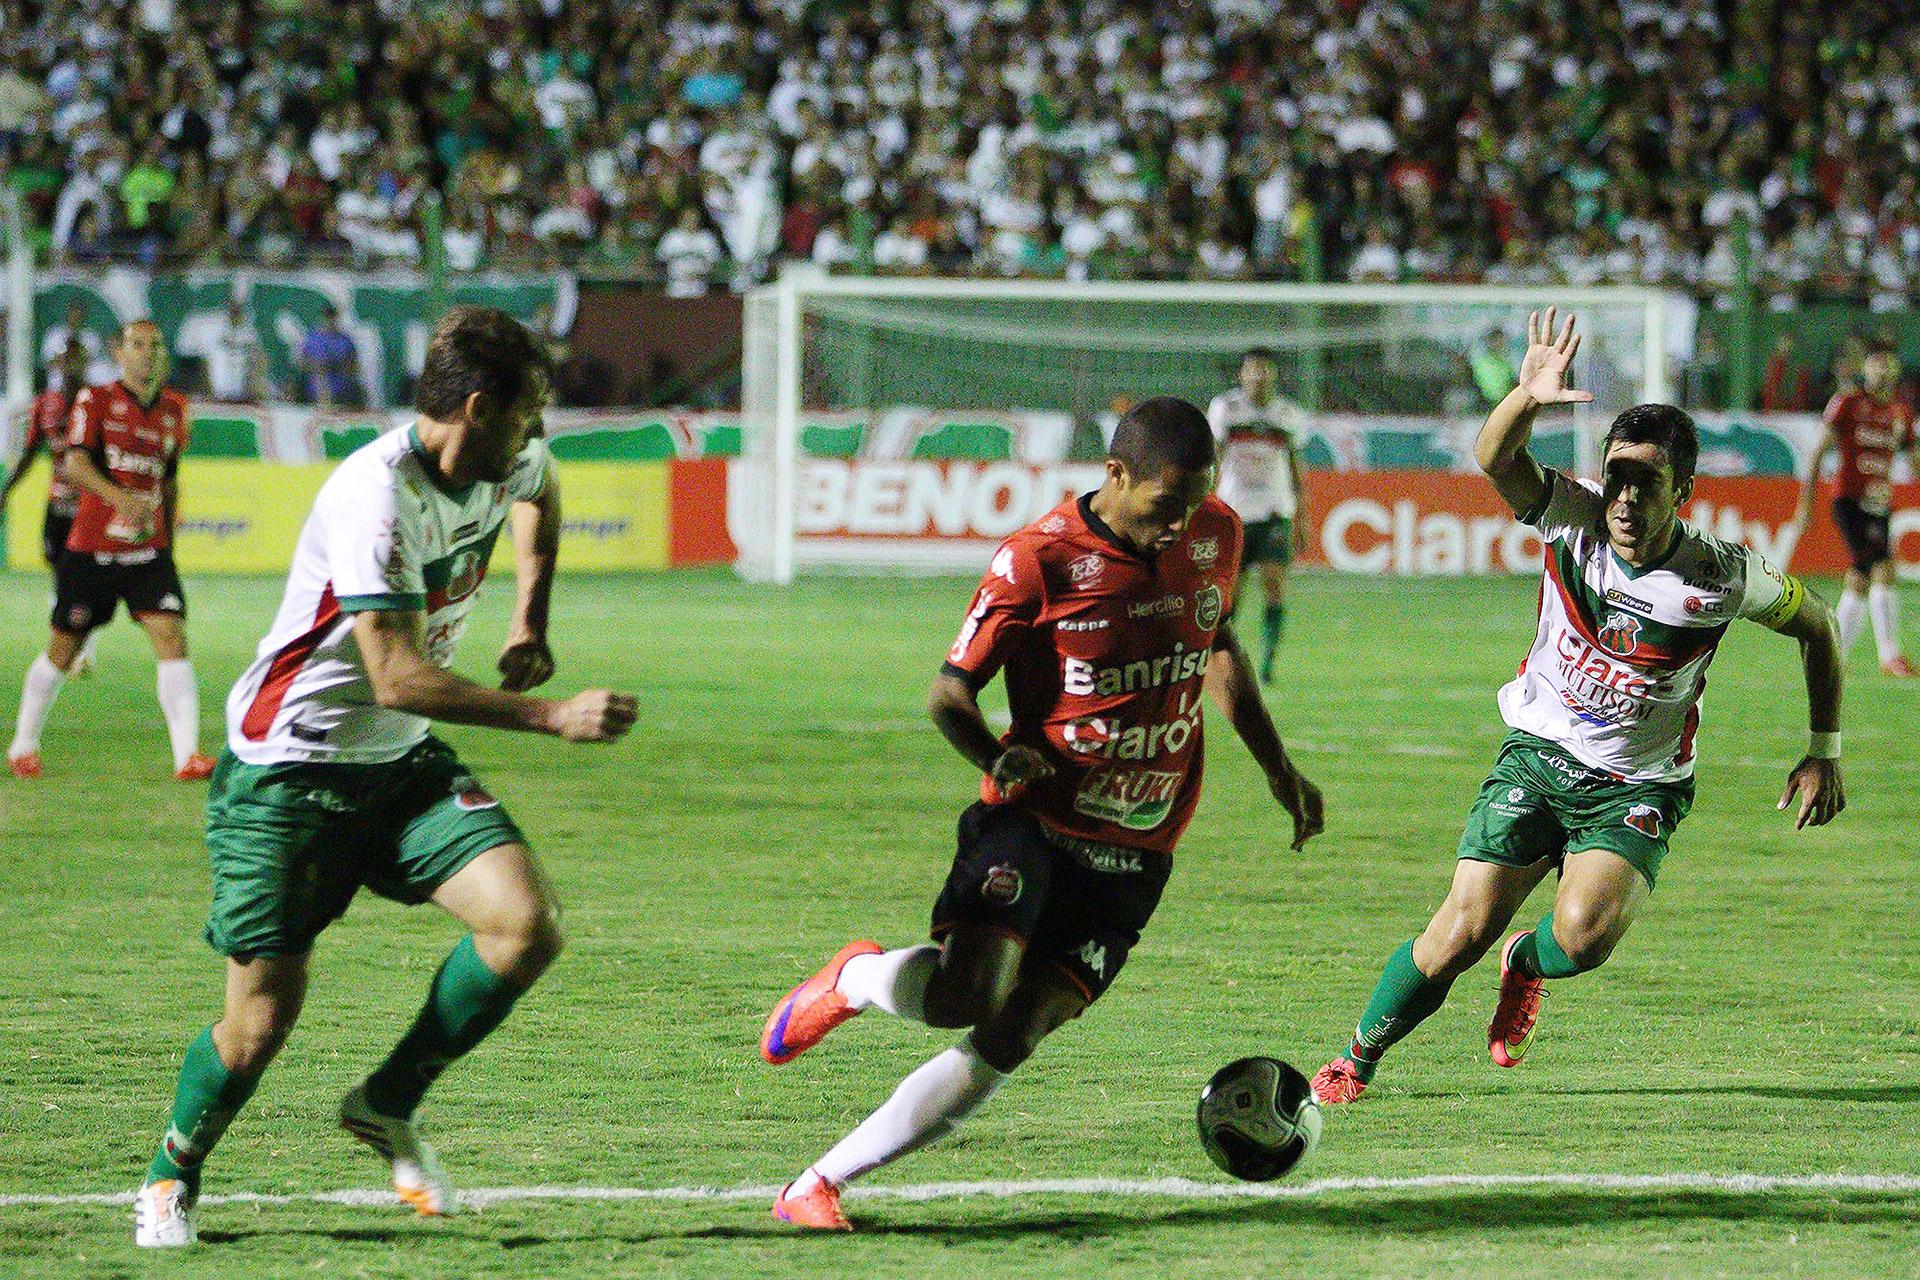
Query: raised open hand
x=1543, y=371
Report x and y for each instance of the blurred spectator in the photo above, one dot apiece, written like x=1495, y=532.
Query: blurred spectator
x=330, y=364
x=689, y=255
x=73, y=331
x=1787, y=386
x=1413, y=139
x=235, y=370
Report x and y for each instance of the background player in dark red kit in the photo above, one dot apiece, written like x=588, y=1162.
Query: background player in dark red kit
x=1866, y=428
x=1105, y=618
x=47, y=423
x=124, y=444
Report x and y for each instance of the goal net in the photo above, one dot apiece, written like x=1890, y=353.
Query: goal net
x=906, y=425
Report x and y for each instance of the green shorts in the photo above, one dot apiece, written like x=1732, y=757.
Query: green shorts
x=292, y=843
x=1268, y=542
x=1540, y=802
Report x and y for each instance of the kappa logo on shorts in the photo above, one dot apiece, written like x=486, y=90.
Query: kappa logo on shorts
x=1002, y=886
x=169, y=603
x=469, y=795
x=1645, y=819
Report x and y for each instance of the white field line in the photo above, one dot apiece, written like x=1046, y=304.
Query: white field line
x=1164, y=1188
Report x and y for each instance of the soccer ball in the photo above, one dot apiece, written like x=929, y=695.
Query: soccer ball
x=1258, y=1118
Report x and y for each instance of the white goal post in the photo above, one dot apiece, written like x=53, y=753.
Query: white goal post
x=906, y=424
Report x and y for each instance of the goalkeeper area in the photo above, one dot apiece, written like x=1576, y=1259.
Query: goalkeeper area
x=1733, y=1094
x=851, y=387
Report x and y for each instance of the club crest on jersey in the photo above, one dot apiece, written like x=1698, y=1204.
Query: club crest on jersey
x=1204, y=552
x=1086, y=571
x=469, y=795
x=1645, y=819
x=1620, y=634
x=1002, y=886
x=1207, y=607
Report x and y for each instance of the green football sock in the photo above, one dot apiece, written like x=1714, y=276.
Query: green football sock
x=1538, y=954
x=205, y=1102
x=1273, y=625
x=1404, y=999
x=467, y=1000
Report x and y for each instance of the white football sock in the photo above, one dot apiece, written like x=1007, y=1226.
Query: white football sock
x=928, y=1105
x=1852, y=615
x=37, y=693
x=180, y=703
x=895, y=981
x=1884, y=606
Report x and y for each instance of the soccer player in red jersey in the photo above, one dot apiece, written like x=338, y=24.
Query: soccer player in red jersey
x=123, y=455
x=1105, y=618
x=47, y=432
x=1866, y=428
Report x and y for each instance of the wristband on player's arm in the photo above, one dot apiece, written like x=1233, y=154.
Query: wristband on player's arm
x=1824, y=746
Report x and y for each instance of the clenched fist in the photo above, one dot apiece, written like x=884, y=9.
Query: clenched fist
x=593, y=715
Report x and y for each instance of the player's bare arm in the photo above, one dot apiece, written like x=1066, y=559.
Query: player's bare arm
x=955, y=710
x=1501, y=448
x=80, y=468
x=526, y=661
x=390, y=642
x=1299, y=495
x=1804, y=512
x=1230, y=682
x=1816, y=779
x=19, y=469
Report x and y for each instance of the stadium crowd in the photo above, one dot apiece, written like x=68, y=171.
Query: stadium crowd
x=699, y=142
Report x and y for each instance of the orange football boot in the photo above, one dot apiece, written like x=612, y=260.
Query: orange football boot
x=811, y=1009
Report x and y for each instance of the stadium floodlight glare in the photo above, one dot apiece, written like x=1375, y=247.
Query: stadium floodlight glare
x=842, y=374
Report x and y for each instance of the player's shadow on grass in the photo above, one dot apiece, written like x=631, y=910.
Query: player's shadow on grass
x=1439, y=1214
x=1433, y=1214
x=1792, y=1093
x=1807, y=1093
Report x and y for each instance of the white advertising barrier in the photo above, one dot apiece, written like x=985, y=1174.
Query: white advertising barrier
x=917, y=517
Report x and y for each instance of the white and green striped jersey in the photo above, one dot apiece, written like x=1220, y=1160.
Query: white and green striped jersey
x=1256, y=473
x=1619, y=659
x=385, y=532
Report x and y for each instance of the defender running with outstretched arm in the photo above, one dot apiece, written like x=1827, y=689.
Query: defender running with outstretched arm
x=1597, y=766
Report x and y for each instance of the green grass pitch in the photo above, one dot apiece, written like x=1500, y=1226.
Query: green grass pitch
x=784, y=793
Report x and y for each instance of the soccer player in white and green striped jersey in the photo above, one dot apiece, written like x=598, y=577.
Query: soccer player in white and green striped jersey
x=331, y=781
x=1597, y=767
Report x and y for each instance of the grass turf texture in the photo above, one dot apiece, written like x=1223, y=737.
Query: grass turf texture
x=784, y=793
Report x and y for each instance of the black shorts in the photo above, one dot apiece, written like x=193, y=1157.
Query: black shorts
x=86, y=592
x=1077, y=906
x=1868, y=536
x=53, y=535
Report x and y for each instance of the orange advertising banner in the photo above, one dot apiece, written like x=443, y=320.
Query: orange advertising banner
x=1438, y=523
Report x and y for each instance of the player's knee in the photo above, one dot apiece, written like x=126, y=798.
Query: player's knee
x=248, y=1038
x=1005, y=1047
x=965, y=997
x=538, y=938
x=1587, y=933
x=1456, y=941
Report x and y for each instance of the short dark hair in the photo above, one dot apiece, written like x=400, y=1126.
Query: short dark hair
x=1881, y=345
x=1661, y=424
x=1262, y=353
x=476, y=348
x=1163, y=432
